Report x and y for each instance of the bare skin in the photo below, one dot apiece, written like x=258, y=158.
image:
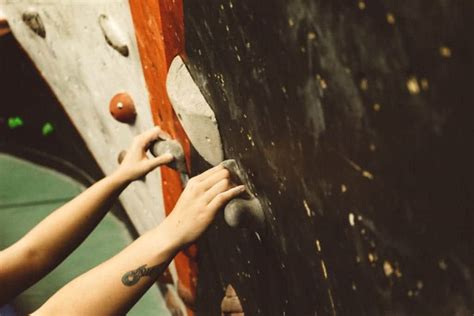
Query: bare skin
x=113, y=287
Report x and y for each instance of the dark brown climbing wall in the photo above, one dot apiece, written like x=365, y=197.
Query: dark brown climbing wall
x=354, y=120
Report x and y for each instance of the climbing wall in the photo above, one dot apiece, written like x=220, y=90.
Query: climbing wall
x=91, y=56
x=87, y=53
x=350, y=119
x=353, y=118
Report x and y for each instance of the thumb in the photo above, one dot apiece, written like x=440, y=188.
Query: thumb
x=160, y=160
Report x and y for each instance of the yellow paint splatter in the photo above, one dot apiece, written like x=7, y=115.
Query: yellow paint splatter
x=413, y=86
x=372, y=257
x=361, y=5
x=318, y=245
x=419, y=284
x=387, y=268
x=322, y=82
x=351, y=219
x=372, y=147
x=331, y=300
x=311, y=36
x=390, y=18
x=343, y=188
x=442, y=265
x=445, y=51
x=323, y=268
x=367, y=175
x=377, y=107
x=364, y=84
x=398, y=273
x=424, y=84
x=291, y=22
x=306, y=206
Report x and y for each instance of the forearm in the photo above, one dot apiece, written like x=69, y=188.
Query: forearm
x=113, y=287
x=64, y=229
x=54, y=238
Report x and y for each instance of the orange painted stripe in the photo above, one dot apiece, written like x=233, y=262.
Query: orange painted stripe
x=159, y=28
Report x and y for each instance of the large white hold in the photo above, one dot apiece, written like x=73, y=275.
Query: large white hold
x=194, y=113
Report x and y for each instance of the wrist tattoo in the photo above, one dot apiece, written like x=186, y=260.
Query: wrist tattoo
x=132, y=277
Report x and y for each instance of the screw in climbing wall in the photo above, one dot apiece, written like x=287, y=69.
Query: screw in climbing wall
x=122, y=108
x=32, y=18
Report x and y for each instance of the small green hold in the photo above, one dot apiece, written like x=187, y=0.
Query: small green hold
x=14, y=122
x=48, y=128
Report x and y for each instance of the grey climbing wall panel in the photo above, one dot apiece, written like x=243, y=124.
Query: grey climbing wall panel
x=83, y=58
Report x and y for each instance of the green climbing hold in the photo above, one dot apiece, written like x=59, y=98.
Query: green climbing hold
x=48, y=128
x=14, y=122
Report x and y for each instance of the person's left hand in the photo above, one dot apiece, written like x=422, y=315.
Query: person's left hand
x=136, y=164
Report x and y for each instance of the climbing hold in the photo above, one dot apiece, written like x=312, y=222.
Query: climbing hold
x=173, y=147
x=4, y=27
x=194, y=112
x=188, y=297
x=121, y=156
x=172, y=301
x=230, y=305
x=122, y=108
x=165, y=145
x=245, y=211
x=32, y=18
x=113, y=35
x=47, y=129
x=14, y=122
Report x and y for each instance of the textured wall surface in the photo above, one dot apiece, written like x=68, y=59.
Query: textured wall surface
x=354, y=120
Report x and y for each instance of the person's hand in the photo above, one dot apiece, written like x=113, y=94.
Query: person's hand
x=136, y=164
x=197, y=206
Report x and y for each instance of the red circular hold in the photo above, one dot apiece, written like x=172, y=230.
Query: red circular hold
x=122, y=108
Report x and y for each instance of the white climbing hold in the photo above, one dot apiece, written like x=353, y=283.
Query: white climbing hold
x=113, y=35
x=194, y=113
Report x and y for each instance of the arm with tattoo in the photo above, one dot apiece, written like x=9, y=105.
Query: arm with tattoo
x=113, y=287
x=54, y=238
x=132, y=277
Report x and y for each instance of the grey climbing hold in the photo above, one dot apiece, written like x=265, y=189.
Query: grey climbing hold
x=113, y=35
x=245, y=211
x=172, y=147
x=32, y=18
x=194, y=113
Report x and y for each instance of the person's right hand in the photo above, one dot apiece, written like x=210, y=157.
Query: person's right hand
x=197, y=206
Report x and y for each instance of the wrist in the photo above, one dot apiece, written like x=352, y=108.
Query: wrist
x=168, y=235
x=119, y=179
